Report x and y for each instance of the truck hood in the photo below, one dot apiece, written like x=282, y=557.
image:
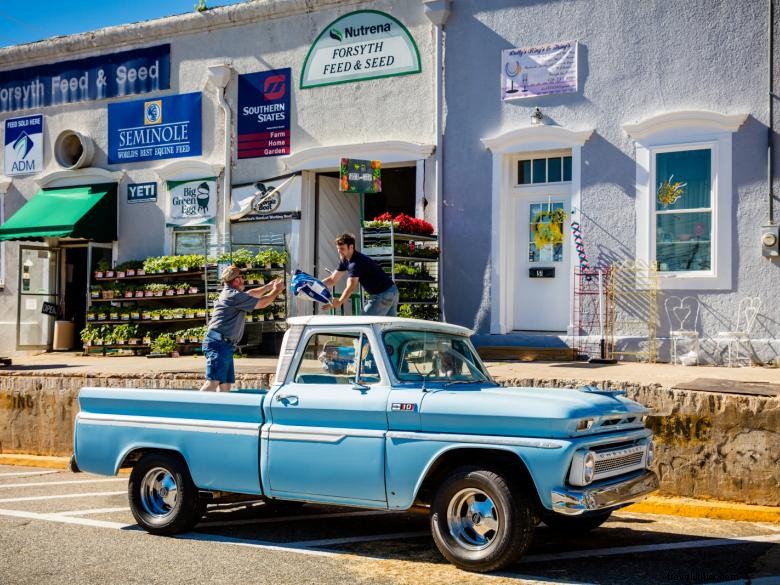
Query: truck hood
x=526, y=412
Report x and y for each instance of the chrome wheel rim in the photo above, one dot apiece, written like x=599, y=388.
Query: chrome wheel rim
x=159, y=492
x=473, y=519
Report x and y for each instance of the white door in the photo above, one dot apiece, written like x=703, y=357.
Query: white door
x=337, y=213
x=542, y=268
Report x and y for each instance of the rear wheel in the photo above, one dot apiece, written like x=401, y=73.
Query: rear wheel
x=576, y=524
x=480, y=520
x=163, y=498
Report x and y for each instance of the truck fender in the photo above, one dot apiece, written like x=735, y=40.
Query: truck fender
x=131, y=450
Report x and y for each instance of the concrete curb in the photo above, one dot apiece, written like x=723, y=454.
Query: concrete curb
x=689, y=507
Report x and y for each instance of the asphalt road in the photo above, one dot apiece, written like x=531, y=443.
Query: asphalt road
x=59, y=527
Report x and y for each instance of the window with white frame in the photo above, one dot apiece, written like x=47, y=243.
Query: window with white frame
x=683, y=209
x=684, y=219
x=544, y=169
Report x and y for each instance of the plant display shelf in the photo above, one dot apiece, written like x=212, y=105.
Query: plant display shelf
x=135, y=347
x=145, y=321
x=145, y=298
x=388, y=257
x=377, y=233
x=148, y=276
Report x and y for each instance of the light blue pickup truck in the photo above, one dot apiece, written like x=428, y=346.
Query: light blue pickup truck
x=383, y=413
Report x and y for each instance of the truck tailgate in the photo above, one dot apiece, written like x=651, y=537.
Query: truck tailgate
x=217, y=433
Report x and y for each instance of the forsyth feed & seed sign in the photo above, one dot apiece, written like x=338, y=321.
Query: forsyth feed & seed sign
x=360, y=45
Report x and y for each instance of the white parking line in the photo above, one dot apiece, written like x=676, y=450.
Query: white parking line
x=62, y=496
x=68, y=520
x=27, y=473
x=69, y=482
x=93, y=511
x=647, y=548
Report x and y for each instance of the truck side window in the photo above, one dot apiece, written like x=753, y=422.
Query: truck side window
x=331, y=359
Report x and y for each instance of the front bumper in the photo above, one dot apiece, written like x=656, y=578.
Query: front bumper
x=572, y=502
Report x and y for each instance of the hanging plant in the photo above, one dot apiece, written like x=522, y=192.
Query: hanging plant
x=669, y=192
x=547, y=226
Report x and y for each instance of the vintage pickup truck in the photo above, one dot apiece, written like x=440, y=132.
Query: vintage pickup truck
x=383, y=413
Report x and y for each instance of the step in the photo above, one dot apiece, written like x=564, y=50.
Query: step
x=526, y=354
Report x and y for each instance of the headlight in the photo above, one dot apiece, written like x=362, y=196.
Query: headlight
x=649, y=454
x=588, y=466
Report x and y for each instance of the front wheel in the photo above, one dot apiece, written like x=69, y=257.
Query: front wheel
x=163, y=498
x=480, y=521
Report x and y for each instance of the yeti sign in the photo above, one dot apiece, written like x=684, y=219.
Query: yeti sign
x=192, y=202
x=366, y=44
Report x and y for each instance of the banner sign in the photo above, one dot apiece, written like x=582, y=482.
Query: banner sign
x=271, y=216
x=192, y=202
x=361, y=45
x=94, y=78
x=166, y=127
x=537, y=71
x=141, y=192
x=23, y=145
x=360, y=176
x=264, y=113
x=271, y=199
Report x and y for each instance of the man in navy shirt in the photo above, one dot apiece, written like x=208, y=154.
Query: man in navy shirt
x=380, y=288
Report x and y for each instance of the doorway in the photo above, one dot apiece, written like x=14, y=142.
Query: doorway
x=37, y=285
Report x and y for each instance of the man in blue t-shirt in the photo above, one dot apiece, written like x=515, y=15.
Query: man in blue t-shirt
x=381, y=290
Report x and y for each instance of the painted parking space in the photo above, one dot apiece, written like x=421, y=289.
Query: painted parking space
x=658, y=549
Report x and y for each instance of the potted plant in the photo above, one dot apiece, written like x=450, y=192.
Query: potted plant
x=91, y=315
x=102, y=267
x=157, y=314
x=95, y=292
x=135, y=314
x=164, y=344
x=113, y=314
x=181, y=288
x=120, y=334
x=147, y=338
x=200, y=313
x=101, y=315
x=88, y=335
x=146, y=314
x=189, y=313
x=193, y=290
x=243, y=258
x=129, y=291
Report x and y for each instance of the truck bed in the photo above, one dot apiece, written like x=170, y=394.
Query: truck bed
x=218, y=433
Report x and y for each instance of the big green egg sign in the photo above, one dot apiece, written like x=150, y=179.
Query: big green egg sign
x=361, y=45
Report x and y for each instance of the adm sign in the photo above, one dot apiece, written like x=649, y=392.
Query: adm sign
x=23, y=145
x=366, y=44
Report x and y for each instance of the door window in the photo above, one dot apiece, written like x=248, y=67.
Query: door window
x=545, y=234
x=333, y=359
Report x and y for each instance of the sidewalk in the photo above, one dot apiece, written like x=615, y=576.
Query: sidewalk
x=628, y=372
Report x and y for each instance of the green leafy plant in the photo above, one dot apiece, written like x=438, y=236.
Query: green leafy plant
x=242, y=257
x=103, y=265
x=164, y=343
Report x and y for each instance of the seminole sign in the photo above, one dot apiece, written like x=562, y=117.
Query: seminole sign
x=361, y=45
x=166, y=127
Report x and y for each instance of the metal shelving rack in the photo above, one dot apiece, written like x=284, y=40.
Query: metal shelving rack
x=386, y=256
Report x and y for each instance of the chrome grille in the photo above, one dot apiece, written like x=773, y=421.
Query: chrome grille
x=618, y=461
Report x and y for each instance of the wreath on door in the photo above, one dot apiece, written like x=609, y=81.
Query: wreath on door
x=547, y=226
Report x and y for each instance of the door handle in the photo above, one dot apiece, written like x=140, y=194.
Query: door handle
x=287, y=399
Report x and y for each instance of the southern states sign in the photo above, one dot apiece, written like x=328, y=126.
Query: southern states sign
x=94, y=78
x=23, y=145
x=360, y=45
x=264, y=113
x=192, y=202
x=166, y=127
x=537, y=71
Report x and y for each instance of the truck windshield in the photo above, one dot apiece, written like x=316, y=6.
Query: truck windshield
x=433, y=357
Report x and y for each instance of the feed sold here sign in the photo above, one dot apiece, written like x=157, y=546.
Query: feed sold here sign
x=361, y=45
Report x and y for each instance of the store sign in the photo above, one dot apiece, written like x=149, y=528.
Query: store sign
x=166, y=127
x=264, y=113
x=23, y=145
x=51, y=309
x=141, y=192
x=360, y=176
x=192, y=202
x=538, y=71
x=95, y=78
x=361, y=45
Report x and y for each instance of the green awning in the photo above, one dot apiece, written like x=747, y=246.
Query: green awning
x=76, y=212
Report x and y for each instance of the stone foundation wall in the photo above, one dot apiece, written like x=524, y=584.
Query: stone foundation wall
x=710, y=445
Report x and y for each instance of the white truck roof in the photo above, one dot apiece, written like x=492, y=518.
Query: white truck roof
x=384, y=322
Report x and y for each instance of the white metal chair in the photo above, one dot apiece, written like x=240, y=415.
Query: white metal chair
x=736, y=340
x=683, y=315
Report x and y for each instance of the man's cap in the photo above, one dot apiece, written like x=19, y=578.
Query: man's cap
x=230, y=273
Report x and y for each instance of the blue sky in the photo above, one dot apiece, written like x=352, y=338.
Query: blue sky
x=24, y=21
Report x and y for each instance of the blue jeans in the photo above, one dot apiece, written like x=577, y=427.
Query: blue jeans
x=383, y=304
x=219, y=361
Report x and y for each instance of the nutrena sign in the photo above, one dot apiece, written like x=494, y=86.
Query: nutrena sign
x=360, y=45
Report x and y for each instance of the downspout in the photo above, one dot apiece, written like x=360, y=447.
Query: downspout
x=220, y=76
x=437, y=12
